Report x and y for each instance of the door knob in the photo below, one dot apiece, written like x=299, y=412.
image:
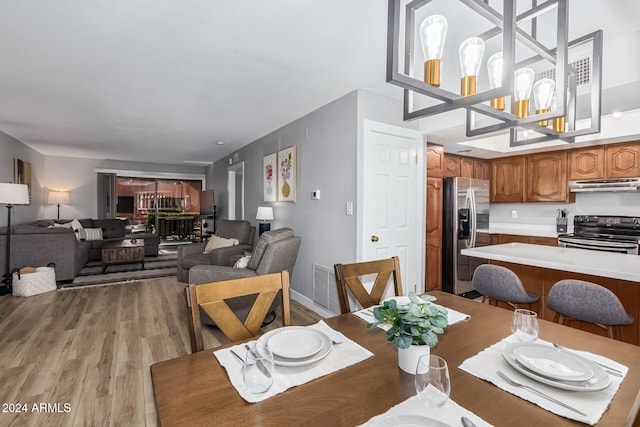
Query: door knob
x=374, y=238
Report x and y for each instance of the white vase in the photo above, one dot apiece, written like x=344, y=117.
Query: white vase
x=408, y=357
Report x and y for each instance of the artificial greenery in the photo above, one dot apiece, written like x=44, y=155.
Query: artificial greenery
x=416, y=323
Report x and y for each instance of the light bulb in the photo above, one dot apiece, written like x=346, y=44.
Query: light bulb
x=470, y=51
x=494, y=68
x=522, y=83
x=543, y=91
x=559, y=123
x=433, y=32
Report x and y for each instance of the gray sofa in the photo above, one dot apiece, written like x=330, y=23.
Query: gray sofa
x=193, y=254
x=35, y=244
x=276, y=250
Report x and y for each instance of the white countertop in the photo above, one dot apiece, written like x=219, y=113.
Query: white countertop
x=524, y=229
x=603, y=264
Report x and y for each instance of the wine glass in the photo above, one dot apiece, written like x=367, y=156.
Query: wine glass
x=257, y=370
x=432, y=380
x=525, y=325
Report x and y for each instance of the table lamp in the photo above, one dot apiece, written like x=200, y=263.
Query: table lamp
x=11, y=194
x=58, y=198
x=264, y=214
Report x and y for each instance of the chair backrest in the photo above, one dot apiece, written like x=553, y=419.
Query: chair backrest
x=588, y=302
x=500, y=284
x=211, y=297
x=235, y=229
x=266, y=239
x=348, y=277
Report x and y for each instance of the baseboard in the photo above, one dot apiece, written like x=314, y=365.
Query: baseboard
x=308, y=303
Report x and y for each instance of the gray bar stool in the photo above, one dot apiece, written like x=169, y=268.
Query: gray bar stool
x=497, y=283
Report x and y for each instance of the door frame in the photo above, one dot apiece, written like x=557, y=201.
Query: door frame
x=233, y=172
x=370, y=126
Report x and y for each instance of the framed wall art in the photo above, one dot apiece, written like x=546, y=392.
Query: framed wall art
x=287, y=171
x=270, y=177
x=22, y=174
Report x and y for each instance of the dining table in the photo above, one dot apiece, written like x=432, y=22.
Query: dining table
x=195, y=390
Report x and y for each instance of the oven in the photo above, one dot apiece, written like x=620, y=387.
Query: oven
x=604, y=233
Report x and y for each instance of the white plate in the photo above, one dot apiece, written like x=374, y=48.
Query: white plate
x=283, y=361
x=553, y=363
x=408, y=421
x=295, y=343
x=599, y=381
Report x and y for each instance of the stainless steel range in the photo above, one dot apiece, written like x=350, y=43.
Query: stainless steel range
x=604, y=233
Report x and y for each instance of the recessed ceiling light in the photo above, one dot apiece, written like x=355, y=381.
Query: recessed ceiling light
x=617, y=114
x=219, y=142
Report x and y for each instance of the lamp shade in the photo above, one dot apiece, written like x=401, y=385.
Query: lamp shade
x=58, y=198
x=265, y=213
x=14, y=194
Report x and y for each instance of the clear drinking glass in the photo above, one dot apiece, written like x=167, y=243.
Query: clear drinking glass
x=525, y=325
x=257, y=370
x=432, y=380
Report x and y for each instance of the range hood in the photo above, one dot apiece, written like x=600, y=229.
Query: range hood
x=595, y=185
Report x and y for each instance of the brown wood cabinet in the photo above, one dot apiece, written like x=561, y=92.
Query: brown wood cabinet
x=622, y=160
x=547, y=177
x=451, y=165
x=507, y=179
x=586, y=163
x=466, y=167
x=481, y=169
x=433, y=262
x=435, y=160
x=497, y=239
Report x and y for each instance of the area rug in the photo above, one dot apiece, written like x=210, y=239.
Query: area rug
x=91, y=274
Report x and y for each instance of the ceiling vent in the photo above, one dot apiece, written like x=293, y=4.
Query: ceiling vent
x=582, y=67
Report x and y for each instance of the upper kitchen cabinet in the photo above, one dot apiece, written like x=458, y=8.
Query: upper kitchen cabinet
x=435, y=160
x=466, y=167
x=451, y=165
x=622, y=160
x=546, y=177
x=481, y=169
x=586, y=163
x=507, y=180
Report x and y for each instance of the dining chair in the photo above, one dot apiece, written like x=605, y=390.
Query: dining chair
x=496, y=283
x=210, y=297
x=580, y=300
x=348, y=277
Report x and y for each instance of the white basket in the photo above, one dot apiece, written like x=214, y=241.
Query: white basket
x=42, y=280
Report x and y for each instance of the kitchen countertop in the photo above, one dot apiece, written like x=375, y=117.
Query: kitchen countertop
x=603, y=264
x=525, y=229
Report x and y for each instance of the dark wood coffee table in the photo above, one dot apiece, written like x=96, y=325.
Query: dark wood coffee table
x=123, y=252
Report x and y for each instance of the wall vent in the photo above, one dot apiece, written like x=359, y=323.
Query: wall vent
x=582, y=67
x=325, y=293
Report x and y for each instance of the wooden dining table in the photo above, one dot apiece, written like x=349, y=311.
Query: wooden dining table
x=195, y=390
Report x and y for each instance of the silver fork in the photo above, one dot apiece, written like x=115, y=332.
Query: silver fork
x=539, y=393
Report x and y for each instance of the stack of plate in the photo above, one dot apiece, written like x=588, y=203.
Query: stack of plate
x=556, y=367
x=296, y=345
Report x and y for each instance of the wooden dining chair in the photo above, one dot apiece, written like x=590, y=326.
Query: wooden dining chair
x=348, y=277
x=210, y=297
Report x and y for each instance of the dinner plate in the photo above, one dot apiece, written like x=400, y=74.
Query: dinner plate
x=599, y=381
x=553, y=363
x=283, y=361
x=408, y=421
x=295, y=343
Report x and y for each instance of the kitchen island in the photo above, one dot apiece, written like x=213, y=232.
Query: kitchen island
x=540, y=267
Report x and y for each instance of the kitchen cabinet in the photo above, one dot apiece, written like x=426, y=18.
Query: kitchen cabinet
x=435, y=160
x=547, y=177
x=451, y=165
x=433, y=262
x=466, y=167
x=497, y=239
x=507, y=180
x=622, y=160
x=586, y=163
x=481, y=169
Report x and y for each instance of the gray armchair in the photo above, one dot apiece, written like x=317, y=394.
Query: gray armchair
x=275, y=251
x=190, y=255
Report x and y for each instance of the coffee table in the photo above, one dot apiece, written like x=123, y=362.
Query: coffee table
x=123, y=252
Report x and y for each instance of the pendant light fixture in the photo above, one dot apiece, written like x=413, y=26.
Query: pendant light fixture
x=433, y=32
x=470, y=52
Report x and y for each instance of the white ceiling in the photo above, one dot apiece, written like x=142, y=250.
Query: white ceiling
x=163, y=80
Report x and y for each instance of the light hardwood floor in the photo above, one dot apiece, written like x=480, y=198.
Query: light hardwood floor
x=85, y=354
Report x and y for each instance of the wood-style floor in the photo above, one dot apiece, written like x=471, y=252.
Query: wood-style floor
x=81, y=357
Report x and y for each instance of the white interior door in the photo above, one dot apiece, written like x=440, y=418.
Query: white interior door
x=392, y=218
x=235, y=191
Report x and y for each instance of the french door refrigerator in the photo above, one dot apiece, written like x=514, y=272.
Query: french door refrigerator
x=465, y=224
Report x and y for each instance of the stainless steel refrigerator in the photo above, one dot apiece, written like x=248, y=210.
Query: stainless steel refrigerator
x=465, y=224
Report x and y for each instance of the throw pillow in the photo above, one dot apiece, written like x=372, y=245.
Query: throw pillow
x=242, y=262
x=90, y=233
x=216, y=242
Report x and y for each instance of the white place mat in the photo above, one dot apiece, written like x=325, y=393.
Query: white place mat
x=450, y=413
x=453, y=316
x=345, y=354
x=485, y=364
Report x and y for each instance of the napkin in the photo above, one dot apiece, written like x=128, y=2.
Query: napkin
x=449, y=413
x=485, y=364
x=453, y=316
x=345, y=354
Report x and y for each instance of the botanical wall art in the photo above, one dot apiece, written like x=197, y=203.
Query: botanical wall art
x=287, y=171
x=22, y=174
x=270, y=177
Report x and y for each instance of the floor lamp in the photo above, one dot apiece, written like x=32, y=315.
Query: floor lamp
x=11, y=194
x=58, y=198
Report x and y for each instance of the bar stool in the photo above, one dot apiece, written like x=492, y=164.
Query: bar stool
x=497, y=283
x=580, y=300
